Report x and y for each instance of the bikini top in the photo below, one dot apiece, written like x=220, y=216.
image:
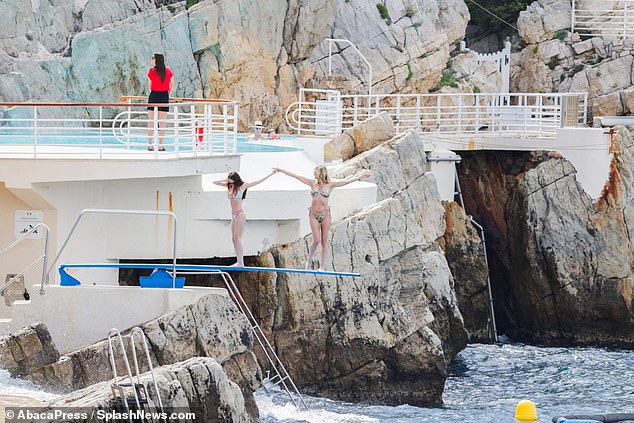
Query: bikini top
x=315, y=193
x=240, y=195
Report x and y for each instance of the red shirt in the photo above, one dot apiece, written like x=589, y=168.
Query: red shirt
x=155, y=80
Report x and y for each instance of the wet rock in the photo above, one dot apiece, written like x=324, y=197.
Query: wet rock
x=27, y=351
x=198, y=385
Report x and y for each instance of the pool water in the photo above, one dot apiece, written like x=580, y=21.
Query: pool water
x=93, y=139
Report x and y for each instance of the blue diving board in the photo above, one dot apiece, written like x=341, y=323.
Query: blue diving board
x=202, y=268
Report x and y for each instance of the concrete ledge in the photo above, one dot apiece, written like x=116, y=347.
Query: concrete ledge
x=77, y=316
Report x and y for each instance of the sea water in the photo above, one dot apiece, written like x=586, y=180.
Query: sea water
x=484, y=384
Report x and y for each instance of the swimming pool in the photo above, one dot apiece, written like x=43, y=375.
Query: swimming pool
x=94, y=138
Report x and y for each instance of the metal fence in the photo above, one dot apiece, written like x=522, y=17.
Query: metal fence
x=610, y=18
x=101, y=130
x=516, y=115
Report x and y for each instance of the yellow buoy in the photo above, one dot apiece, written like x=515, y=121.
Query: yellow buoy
x=525, y=411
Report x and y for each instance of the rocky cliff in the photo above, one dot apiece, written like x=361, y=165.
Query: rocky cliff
x=256, y=52
x=218, y=384
x=562, y=268
x=555, y=60
x=388, y=336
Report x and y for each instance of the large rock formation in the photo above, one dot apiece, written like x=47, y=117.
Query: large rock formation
x=554, y=60
x=563, y=264
x=198, y=385
x=212, y=327
x=388, y=336
x=256, y=52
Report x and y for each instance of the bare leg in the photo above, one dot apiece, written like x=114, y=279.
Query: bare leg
x=161, y=123
x=237, y=227
x=150, y=129
x=325, y=229
x=315, y=228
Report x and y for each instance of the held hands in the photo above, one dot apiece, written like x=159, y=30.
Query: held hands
x=364, y=174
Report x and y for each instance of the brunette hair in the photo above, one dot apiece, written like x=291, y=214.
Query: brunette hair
x=321, y=174
x=237, y=183
x=159, y=65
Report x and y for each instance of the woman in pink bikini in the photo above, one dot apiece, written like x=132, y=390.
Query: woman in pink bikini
x=319, y=211
x=237, y=192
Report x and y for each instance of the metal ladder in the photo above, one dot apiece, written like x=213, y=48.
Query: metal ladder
x=281, y=377
x=480, y=229
x=138, y=389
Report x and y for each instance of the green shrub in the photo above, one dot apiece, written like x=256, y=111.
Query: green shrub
x=476, y=90
x=410, y=74
x=385, y=15
x=576, y=69
x=447, y=79
x=190, y=3
x=508, y=10
x=416, y=25
x=553, y=63
x=561, y=34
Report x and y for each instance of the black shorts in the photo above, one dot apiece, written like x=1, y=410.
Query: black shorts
x=159, y=97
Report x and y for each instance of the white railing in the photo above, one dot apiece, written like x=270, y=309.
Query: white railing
x=317, y=112
x=351, y=44
x=115, y=130
x=610, y=18
x=516, y=115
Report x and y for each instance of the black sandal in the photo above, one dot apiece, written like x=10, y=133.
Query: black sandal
x=150, y=148
x=161, y=148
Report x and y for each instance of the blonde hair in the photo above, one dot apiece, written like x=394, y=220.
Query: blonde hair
x=321, y=174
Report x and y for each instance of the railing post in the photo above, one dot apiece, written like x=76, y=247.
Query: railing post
x=236, y=106
x=329, y=57
x=129, y=123
x=625, y=19
x=194, y=127
x=398, y=113
x=299, y=114
x=418, y=123
x=155, y=133
x=35, y=135
x=224, y=129
x=176, y=131
x=438, y=105
x=572, y=18
x=101, y=132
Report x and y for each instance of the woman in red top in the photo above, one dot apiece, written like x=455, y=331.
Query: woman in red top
x=160, y=82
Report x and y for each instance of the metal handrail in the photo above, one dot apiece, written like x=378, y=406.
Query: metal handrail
x=537, y=115
x=193, y=125
x=128, y=212
x=30, y=266
x=138, y=330
x=612, y=20
x=115, y=332
x=281, y=374
x=351, y=44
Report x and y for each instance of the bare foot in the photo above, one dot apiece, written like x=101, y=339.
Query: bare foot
x=307, y=266
x=237, y=265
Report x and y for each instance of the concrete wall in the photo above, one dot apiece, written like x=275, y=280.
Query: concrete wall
x=17, y=259
x=77, y=316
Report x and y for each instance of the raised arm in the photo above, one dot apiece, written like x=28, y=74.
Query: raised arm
x=221, y=182
x=248, y=185
x=350, y=179
x=302, y=179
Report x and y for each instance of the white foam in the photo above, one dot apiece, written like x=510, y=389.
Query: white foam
x=22, y=388
x=287, y=412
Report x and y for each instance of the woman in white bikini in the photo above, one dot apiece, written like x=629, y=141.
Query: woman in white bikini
x=237, y=192
x=319, y=212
